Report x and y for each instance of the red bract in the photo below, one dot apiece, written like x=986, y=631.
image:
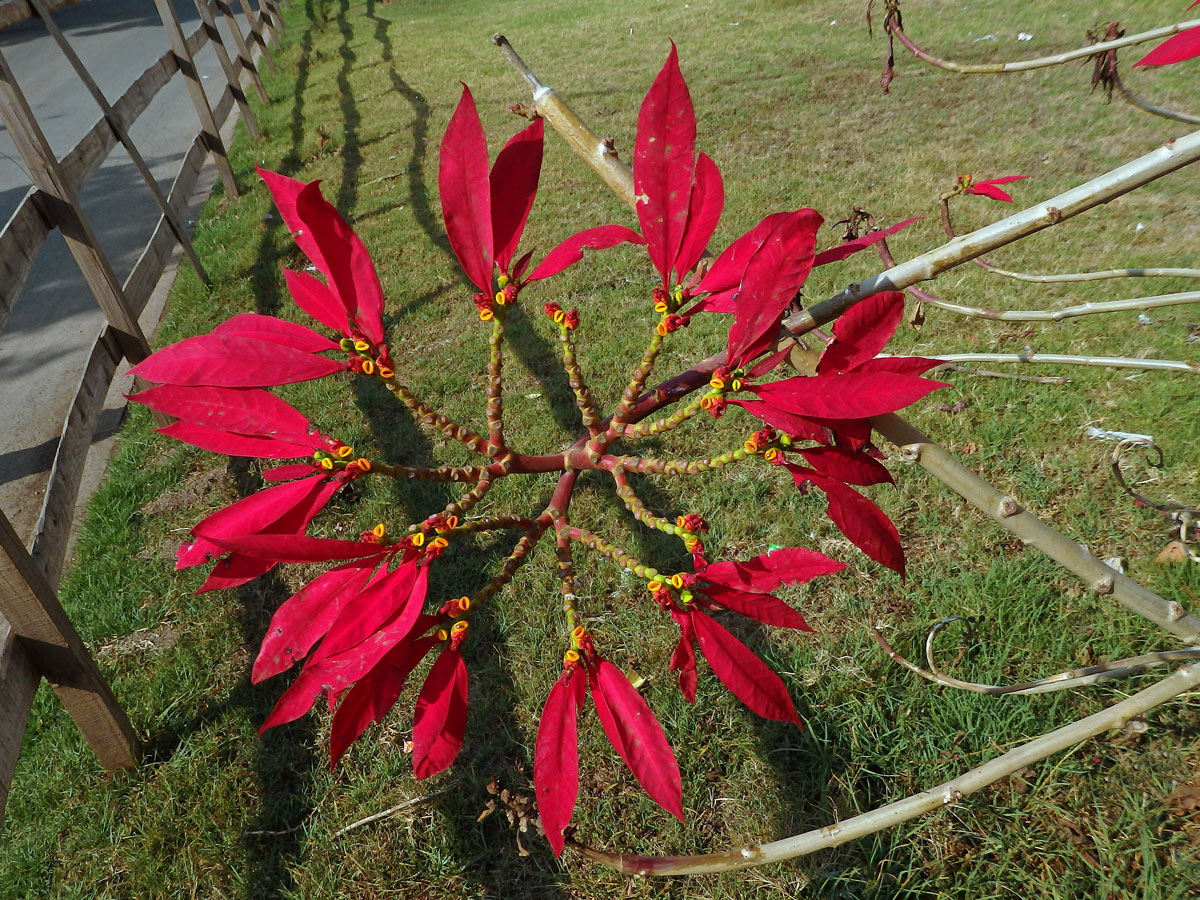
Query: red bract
x=774, y=272
x=556, y=755
x=441, y=715
x=234, y=361
x=679, y=193
x=629, y=725
x=988, y=188
x=240, y=422
x=485, y=214
x=351, y=300
x=280, y=512
x=1177, y=48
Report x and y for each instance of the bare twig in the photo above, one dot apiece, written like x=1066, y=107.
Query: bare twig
x=1121, y=668
x=1057, y=315
x=946, y=794
x=392, y=810
x=1036, y=379
x=1040, y=63
x=1110, y=362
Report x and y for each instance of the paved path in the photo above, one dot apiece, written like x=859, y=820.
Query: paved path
x=44, y=345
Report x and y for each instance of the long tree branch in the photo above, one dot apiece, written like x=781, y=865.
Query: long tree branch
x=946, y=794
x=1043, y=62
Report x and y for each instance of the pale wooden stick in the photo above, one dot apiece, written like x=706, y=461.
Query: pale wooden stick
x=1040, y=63
x=391, y=811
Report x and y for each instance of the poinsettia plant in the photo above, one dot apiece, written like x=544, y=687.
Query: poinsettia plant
x=358, y=631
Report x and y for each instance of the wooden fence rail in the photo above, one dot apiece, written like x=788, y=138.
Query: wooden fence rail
x=36, y=638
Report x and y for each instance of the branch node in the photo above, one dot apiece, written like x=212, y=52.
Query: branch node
x=1009, y=507
x=911, y=453
x=1175, y=612
x=1054, y=214
x=1105, y=584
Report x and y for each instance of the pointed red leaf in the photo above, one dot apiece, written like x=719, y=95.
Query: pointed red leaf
x=850, y=247
x=285, y=192
x=305, y=617
x=348, y=267
x=466, y=193
x=441, y=716
x=295, y=548
x=704, y=211
x=683, y=658
x=237, y=569
x=514, y=183
x=269, y=328
x=664, y=158
x=1177, y=48
x=245, y=411
x=249, y=515
x=768, y=364
x=571, y=250
x=790, y=424
x=227, y=361
x=901, y=365
x=851, y=468
x=287, y=473
x=862, y=332
x=637, y=737
x=747, y=677
x=853, y=395
x=556, y=757
x=765, y=608
x=371, y=698
x=334, y=675
x=396, y=599
x=217, y=441
x=315, y=298
x=725, y=274
x=988, y=188
x=774, y=274
x=858, y=519
x=767, y=571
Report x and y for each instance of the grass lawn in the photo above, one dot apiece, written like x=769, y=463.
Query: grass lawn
x=788, y=102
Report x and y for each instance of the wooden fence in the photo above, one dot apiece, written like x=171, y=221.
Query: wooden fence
x=36, y=638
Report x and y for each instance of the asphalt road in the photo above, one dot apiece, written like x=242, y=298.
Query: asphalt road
x=44, y=346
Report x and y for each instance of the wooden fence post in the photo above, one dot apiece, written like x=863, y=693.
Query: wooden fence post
x=58, y=653
x=255, y=25
x=231, y=72
x=270, y=10
x=239, y=43
x=56, y=201
x=209, y=131
x=122, y=135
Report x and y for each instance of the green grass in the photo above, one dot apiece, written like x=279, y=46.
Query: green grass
x=789, y=107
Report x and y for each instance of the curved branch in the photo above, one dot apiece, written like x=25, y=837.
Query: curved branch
x=1110, y=362
x=1069, y=277
x=1145, y=106
x=950, y=792
x=1029, y=64
x=1057, y=315
x=1121, y=668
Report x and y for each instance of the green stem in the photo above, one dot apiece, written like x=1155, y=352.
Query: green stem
x=612, y=551
x=430, y=416
x=648, y=466
x=629, y=399
x=515, y=560
x=661, y=426
x=495, y=384
x=583, y=394
x=639, y=509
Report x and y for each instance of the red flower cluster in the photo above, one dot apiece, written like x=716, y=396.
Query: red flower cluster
x=362, y=628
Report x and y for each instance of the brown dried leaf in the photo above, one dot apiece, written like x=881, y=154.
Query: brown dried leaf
x=1173, y=553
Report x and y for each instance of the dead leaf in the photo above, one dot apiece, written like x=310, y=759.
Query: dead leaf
x=1174, y=552
x=1185, y=799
